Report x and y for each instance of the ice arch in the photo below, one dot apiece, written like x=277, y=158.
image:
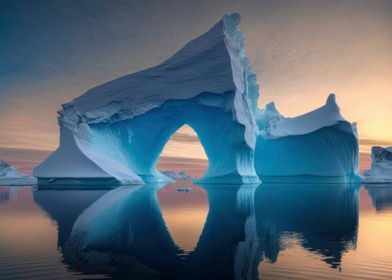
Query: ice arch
x=118, y=129
x=223, y=140
x=115, y=132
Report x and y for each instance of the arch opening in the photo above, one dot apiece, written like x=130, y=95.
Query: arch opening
x=184, y=159
x=183, y=155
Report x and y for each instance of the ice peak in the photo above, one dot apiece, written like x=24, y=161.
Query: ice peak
x=331, y=100
x=231, y=22
x=234, y=18
x=271, y=107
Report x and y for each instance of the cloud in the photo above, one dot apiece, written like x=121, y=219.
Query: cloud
x=184, y=137
x=374, y=142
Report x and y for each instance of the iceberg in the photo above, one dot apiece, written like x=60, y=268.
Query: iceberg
x=9, y=176
x=381, y=169
x=118, y=130
x=320, y=144
x=115, y=132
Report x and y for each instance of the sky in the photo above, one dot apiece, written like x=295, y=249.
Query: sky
x=301, y=50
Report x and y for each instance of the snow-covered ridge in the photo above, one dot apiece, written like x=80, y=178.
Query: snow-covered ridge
x=214, y=62
x=279, y=126
x=320, y=143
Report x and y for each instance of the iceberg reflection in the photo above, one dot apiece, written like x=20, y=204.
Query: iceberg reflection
x=325, y=217
x=122, y=232
x=381, y=195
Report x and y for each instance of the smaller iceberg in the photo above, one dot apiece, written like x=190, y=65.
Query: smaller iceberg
x=9, y=176
x=320, y=144
x=381, y=169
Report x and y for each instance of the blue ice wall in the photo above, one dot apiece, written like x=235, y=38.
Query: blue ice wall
x=328, y=152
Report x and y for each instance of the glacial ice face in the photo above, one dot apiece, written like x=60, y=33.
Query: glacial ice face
x=319, y=143
x=381, y=169
x=119, y=129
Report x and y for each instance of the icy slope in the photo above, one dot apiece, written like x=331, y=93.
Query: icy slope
x=119, y=129
x=319, y=143
x=75, y=159
x=381, y=169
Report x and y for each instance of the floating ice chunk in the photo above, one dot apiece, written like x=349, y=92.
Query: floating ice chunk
x=9, y=176
x=381, y=169
x=179, y=175
x=184, y=189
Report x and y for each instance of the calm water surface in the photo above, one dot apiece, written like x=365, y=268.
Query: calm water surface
x=270, y=231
